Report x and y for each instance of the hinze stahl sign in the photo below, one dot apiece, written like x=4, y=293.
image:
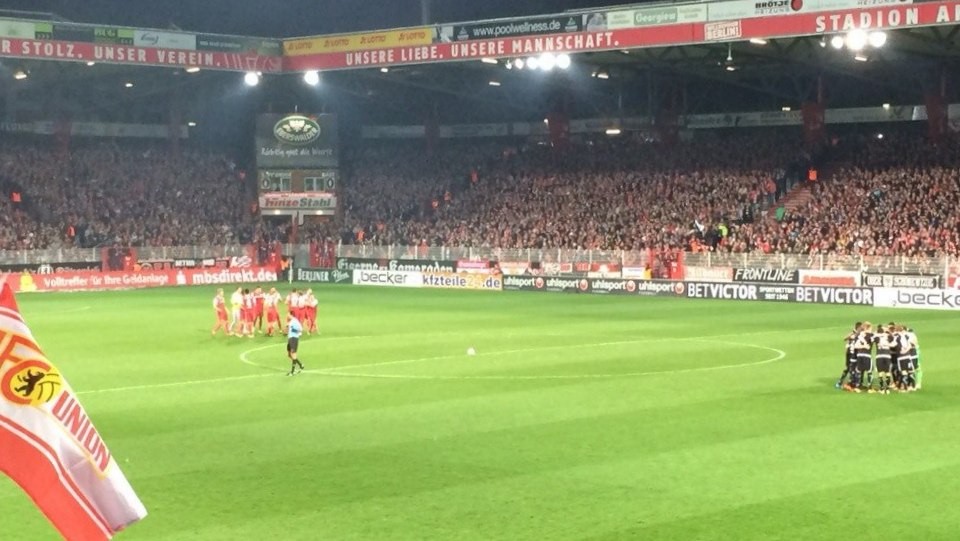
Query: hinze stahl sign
x=297, y=161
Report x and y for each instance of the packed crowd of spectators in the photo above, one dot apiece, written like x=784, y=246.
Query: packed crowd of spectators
x=612, y=194
x=894, y=196
x=717, y=192
x=108, y=194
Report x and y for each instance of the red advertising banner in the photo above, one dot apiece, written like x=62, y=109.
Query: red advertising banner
x=103, y=281
x=771, y=26
x=473, y=267
x=128, y=54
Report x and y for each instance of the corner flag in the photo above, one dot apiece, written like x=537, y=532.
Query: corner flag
x=50, y=447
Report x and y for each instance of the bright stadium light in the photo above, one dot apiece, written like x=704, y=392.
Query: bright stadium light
x=128, y=84
x=877, y=39
x=519, y=63
x=494, y=83
x=509, y=65
x=856, y=40
x=836, y=42
x=192, y=124
x=603, y=75
x=613, y=131
x=91, y=63
x=886, y=106
x=384, y=70
x=489, y=60
x=312, y=78
x=758, y=41
x=860, y=57
x=533, y=62
x=20, y=74
x=548, y=61
x=563, y=61
x=251, y=78
x=192, y=69
x=785, y=108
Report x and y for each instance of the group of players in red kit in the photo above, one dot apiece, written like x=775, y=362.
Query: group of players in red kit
x=248, y=309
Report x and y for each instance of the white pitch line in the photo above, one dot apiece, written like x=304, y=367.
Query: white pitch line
x=172, y=384
x=780, y=354
x=244, y=357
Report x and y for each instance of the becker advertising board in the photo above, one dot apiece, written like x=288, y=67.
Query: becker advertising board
x=99, y=281
x=928, y=299
x=427, y=279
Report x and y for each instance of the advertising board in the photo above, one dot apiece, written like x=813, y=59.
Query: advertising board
x=920, y=281
x=734, y=20
x=774, y=276
x=858, y=296
x=475, y=267
x=839, y=278
x=297, y=141
x=708, y=274
x=101, y=281
x=359, y=263
x=928, y=299
x=51, y=268
x=324, y=276
x=386, y=278
x=462, y=280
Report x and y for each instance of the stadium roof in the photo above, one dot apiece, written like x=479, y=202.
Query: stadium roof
x=704, y=78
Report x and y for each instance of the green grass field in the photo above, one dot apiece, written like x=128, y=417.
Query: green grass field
x=581, y=417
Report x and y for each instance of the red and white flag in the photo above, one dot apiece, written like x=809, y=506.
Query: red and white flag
x=50, y=447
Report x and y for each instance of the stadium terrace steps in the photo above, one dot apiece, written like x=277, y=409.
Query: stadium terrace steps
x=795, y=198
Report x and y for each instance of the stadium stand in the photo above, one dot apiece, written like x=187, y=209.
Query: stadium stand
x=126, y=195
x=624, y=194
x=889, y=196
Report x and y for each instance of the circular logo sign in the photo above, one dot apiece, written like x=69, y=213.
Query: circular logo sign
x=297, y=130
x=583, y=285
x=679, y=288
x=631, y=286
x=31, y=383
x=538, y=283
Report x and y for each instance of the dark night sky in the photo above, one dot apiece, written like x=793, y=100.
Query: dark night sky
x=281, y=18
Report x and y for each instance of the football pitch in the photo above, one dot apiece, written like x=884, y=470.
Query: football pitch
x=580, y=417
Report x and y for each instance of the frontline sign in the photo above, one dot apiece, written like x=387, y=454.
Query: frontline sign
x=779, y=276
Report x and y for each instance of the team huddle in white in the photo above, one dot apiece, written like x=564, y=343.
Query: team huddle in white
x=881, y=360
